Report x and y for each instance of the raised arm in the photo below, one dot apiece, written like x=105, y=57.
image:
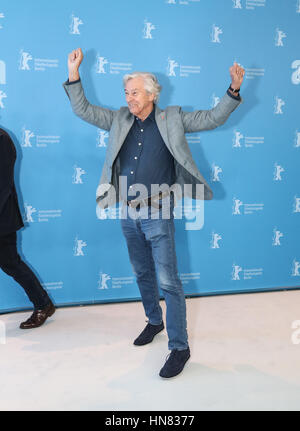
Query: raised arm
x=212, y=118
x=96, y=115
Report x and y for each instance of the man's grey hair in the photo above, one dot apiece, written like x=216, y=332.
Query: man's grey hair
x=150, y=80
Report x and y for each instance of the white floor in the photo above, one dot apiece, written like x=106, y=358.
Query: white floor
x=243, y=358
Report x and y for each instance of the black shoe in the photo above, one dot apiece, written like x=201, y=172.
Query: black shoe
x=175, y=363
x=148, y=334
x=38, y=317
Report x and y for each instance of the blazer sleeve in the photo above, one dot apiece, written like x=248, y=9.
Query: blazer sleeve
x=7, y=161
x=96, y=115
x=209, y=119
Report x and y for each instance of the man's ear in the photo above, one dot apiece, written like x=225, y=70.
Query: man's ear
x=152, y=97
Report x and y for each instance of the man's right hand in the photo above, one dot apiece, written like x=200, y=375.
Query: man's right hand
x=74, y=60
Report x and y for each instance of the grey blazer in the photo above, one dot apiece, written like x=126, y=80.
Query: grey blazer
x=172, y=123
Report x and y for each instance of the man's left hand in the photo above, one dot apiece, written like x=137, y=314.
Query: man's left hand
x=237, y=75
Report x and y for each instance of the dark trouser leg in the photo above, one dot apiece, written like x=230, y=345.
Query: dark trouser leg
x=11, y=264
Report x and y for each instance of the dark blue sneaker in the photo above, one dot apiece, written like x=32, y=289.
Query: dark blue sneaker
x=175, y=363
x=147, y=335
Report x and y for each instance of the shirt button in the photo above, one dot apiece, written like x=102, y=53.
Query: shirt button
x=131, y=172
x=142, y=130
x=140, y=143
x=135, y=158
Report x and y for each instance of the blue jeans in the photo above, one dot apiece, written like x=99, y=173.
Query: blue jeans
x=151, y=247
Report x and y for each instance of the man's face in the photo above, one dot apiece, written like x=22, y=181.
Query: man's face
x=139, y=101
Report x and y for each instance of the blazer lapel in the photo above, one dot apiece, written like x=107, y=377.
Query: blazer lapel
x=161, y=121
x=125, y=126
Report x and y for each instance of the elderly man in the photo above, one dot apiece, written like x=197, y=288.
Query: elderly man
x=147, y=147
x=10, y=223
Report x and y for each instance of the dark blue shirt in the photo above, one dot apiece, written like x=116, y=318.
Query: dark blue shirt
x=144, y=157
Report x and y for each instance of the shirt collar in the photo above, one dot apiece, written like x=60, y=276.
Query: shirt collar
x=151, y=116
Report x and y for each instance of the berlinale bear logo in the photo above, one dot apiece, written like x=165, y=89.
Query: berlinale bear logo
x=296, y=74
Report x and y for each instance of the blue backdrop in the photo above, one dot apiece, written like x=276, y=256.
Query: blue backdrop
x=250, y=238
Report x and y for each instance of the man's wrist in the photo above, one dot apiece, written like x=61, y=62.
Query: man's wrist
x=74, y=76
x=234, y=93
x=235, y=96
x=72, y=82
x=234, y=88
